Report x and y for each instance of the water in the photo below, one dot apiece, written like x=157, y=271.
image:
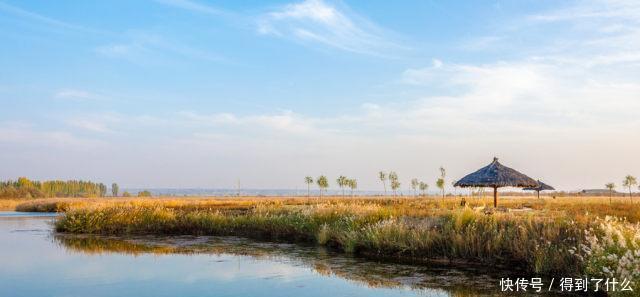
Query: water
x=36, y=262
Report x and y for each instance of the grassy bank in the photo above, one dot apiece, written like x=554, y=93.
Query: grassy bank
x=544, y=240
x=10, y=204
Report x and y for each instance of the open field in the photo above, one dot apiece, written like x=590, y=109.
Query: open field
x=574, y=207
x=560, y=237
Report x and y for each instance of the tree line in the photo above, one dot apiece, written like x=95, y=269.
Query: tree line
x=344, y=182
x=26, y=188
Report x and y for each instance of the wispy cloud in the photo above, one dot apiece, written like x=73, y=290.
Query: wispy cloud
x=143, y=48
x=284, y=122
x=315, y=21
x=23, y=136
x=193, y=6
x=74, y=94
x=45, y=20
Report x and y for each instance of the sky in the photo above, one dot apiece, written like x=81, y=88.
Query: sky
x=201, y=94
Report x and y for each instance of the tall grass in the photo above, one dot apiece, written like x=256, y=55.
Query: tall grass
x=545, y=236
x=538, y=244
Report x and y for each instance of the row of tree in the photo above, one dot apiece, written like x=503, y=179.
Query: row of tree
x=26, y=188
x=628, y=182
x=391, y=177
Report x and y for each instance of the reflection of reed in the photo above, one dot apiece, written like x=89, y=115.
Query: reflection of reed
x=370, y=274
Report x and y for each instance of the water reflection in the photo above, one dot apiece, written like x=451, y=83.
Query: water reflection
x=430, y=281
x=37, y=262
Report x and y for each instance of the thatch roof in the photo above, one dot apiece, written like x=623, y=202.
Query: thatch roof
x=496, y=175
x=541, y=187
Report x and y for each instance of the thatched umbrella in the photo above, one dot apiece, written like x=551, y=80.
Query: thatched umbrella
x=541, y=187
x=495, y=176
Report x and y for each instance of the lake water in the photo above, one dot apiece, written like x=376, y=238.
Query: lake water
x=37, y=262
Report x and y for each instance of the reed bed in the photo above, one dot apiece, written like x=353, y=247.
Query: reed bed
x=10, y=204
x=559, y=237
x=549, y=238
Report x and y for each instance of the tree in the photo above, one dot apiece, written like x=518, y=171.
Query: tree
x=628, y=182
x=395, y=184
x=309, y=181
x=342, y=182
x=353, y=184
x=414, y=185
x=126, y=194
x=610, y=186
x=423, y=187
x=383, y=178
x=144, y=193
x=440, y=182
x=114, y=189
x=323, y=183
x=440, y=185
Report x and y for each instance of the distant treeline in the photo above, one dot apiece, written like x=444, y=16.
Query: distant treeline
x=25, y=188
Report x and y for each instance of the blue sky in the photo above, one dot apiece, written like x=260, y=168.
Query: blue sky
x=181, y=93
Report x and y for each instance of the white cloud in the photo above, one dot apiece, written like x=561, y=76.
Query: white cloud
x=314, y=21
x=28, y=136
x=74, y=94
x=287, y=122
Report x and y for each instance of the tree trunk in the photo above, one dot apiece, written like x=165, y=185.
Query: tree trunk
x=384, y=184
x=308, y=190
x=538, y=194
x=610, y=196
x=495, y=196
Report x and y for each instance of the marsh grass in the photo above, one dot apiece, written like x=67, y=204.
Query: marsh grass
x=543, y=236
x=10, y=204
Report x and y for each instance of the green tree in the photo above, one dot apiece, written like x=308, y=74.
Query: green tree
x=383, y=178
x=308, y=180
x=395, y=183
x=342, y=182
x=440, y=185
x=323, y=183
x=415, y=184
x=353, y=185
x=126, y=194
x=441, y=181
x=610, y=186
x=144, y=193
x=423, y=187
x=114, y=189
x=628, y=182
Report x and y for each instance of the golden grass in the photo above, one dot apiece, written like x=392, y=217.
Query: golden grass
x=10, y=204
x=545, y=236
x=572, y=207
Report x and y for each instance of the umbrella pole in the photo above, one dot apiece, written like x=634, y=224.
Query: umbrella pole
x=495, y=196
